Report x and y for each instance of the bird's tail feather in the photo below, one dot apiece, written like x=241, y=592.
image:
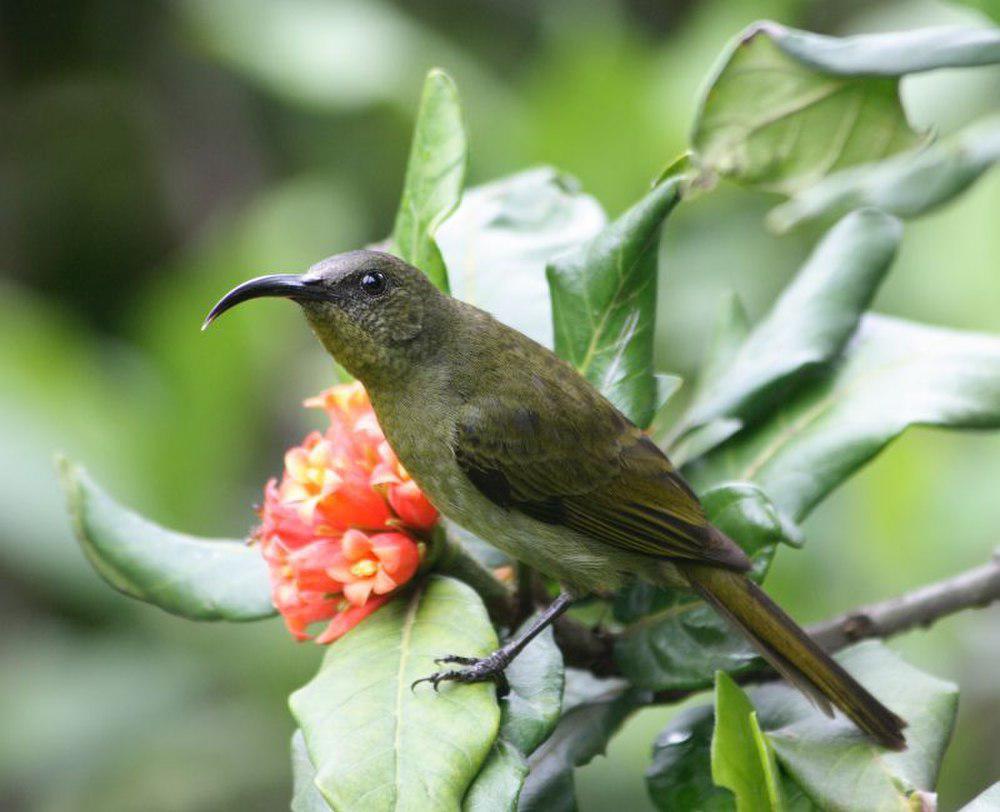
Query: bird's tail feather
x=792, y=653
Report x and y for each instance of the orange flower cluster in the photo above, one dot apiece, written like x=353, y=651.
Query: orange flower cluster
x=337, y=531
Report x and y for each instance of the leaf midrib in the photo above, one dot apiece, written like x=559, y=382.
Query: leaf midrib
x=404, y=655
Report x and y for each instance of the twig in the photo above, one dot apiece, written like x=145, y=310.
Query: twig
x=976, y=588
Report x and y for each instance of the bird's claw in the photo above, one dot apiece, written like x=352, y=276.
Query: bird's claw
x=487, y=669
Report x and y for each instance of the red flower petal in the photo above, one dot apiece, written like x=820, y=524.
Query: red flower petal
x=347, y=619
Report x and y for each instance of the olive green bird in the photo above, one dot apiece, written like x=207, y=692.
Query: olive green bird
x=512, y=443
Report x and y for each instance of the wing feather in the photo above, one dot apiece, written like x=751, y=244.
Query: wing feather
x=592, y=471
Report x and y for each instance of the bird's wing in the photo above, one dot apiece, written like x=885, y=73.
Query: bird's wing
x=590, y=470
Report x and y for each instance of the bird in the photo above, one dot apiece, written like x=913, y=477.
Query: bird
x=509, y=441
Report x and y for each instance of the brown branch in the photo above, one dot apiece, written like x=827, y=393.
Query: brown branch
x=976, y=588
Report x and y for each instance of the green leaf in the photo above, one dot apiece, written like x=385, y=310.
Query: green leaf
x=986, y=801
x=680, y=775
x=807, y=326
x=771, y=121
x=786, y=108
x=377, y=744
x=742, y=759
x=196, y=578
x=894, y=374
x=729, y=332
x=700, y=440
x=604, y=304
x=676, y=641
x=593, y=712
x=434, y=176
x=502, y=235
x=498, y=785
x=906, y=185
x=823, y=763
x=305, y=795
x=836, y=765
x=531, y=709
x=888, y=54
x=527, y=716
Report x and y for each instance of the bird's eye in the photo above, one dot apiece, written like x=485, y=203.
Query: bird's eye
x=373, y=283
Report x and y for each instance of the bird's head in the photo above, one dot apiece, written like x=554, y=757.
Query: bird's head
x=373, y=312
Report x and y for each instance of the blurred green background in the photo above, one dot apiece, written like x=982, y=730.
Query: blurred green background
x=155, y=153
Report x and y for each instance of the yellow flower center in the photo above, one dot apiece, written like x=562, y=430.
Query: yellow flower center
x=365, y=568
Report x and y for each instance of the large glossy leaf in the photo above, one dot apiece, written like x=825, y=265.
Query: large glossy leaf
x=527, y=715
x=906, y=185
x=197, y=578
x=593, y=712
x=893, y=374
x=306, y=797
x=604, y=303
x=835, y=764
x=986, y=801
x=808, y=325
x=773, y=121
x=676, y=641
x=786, y=108
x=742, y=758
x=434, y=176
x=498, y=241
x=376, y=743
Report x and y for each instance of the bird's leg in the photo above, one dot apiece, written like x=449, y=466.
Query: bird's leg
x=492, y=667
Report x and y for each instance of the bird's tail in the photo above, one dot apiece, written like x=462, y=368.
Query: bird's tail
x=792, y=653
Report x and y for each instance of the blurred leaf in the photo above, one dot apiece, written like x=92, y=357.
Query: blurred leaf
x=498, y=241
x=986, y=801
x=837, y=766
x=888, y=54
x=729, y=333
x=807, y=326
x=604, y=304
x=702, y=439
x=527, y=715
x=498, y=785
x=742, y=759
x=434, y=176
x=894, y=374
x=674, y=640
x=305, y=795
x=906, y=185
x=418, y=747
x=196, y=578
x=593, y=712
x=320, y=53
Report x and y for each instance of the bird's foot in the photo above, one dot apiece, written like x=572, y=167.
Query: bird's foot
x=486, y=669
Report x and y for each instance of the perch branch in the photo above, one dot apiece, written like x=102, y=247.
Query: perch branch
x=976, y=588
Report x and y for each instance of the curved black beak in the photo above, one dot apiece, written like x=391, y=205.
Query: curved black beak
x=285, y=285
